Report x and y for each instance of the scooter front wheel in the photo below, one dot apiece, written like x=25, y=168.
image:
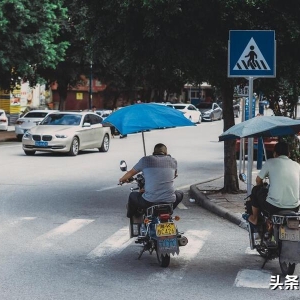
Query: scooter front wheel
x=163, y=260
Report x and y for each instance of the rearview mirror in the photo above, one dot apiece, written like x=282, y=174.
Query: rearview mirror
x=123, y=166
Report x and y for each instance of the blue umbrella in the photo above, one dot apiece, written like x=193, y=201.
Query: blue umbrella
x=143, y=117
x=262, y=126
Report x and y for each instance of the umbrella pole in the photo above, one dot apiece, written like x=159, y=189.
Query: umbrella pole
x=144, y=143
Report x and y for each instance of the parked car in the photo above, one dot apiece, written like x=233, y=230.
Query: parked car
x=210, y=111
x=3, y=120
x=29, y=120
x=67, y=132
x=236, y=108
x=190, y=111
x=103, y=113
x=169, y=104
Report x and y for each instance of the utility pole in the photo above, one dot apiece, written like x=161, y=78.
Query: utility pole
x=91, y=86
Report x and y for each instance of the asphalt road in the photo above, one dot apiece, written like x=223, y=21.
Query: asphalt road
x=64, y=234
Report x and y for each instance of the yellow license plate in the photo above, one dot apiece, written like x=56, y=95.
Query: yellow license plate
x=286, y=234
x=165, y=229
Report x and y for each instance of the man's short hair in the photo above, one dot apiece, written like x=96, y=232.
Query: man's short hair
x=160, y=149
x=282, y=148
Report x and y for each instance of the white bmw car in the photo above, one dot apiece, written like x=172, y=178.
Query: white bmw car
x=67, y=132
x=29, y=120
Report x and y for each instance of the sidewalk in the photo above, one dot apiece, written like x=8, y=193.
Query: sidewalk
x=228, y=206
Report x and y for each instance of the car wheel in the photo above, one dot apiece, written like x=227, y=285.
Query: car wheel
x=200, y=119
x=19, y=137
x=29, y=153
x=105, y=144
x=74, y=149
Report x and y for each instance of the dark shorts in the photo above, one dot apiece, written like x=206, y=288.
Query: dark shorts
x=258, y=198
x=136, y=202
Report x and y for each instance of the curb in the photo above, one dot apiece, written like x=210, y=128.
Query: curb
x=203, y=201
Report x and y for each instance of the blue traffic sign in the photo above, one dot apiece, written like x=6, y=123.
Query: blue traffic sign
x=252, y=53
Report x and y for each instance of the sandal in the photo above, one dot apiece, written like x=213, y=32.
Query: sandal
x=246, y=216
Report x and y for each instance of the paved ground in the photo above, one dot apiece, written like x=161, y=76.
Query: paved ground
x=206, y=194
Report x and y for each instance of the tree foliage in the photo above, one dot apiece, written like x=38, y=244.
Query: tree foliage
x=29, y=34
x=151, y=45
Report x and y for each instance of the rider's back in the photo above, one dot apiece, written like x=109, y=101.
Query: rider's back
x=284, y=176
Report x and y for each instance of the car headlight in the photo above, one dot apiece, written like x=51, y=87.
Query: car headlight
x=27, y=134
x=61, y=136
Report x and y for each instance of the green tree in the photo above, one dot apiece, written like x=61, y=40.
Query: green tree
x=29, y=33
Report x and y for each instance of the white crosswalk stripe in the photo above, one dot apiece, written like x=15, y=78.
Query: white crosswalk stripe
x=113, y=245
x=259, y=279
x=196, y=239
x=60, y=232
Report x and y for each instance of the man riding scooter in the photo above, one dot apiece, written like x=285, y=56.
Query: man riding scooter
x=159, y=170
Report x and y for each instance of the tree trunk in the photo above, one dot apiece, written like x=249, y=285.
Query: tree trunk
x=231, y=183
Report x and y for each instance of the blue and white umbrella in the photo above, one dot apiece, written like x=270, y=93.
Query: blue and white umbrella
x=146, y=116
x=262, y=126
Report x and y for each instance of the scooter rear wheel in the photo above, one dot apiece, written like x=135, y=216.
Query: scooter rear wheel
x=163, y=260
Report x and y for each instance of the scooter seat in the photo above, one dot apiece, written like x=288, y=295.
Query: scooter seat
x=287, y=213
x=162, y=208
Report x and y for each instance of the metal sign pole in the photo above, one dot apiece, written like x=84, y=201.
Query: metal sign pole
x=250, y=140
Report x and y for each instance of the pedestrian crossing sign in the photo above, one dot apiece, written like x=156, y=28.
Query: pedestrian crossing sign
x=251, y=53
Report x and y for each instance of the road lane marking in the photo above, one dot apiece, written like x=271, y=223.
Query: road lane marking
x=252, y=252
x=112, y=245
x=108, y=188
x=181, y=206
x=258, y=279
x=197, y=239
x=62, y=231
x=11, y=224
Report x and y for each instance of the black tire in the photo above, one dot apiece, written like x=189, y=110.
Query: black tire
x=263, y=251
x=74, y=149
x=286, y=268
x=29, y=153
x=163, y=260
x=19, y=137
x=105, y=144
x=200, y=119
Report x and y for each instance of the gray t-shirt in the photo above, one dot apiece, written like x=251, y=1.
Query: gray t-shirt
x=284, y=176
x=159, y=171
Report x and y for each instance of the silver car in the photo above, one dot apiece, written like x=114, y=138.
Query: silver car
x=210, y=111
x=67, y=132
x=29, y=120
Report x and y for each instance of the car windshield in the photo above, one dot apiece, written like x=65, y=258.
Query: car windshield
x=204, y=105
x=179, y=106
x=1, y=113
x=62, y=119
x=35, y=114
